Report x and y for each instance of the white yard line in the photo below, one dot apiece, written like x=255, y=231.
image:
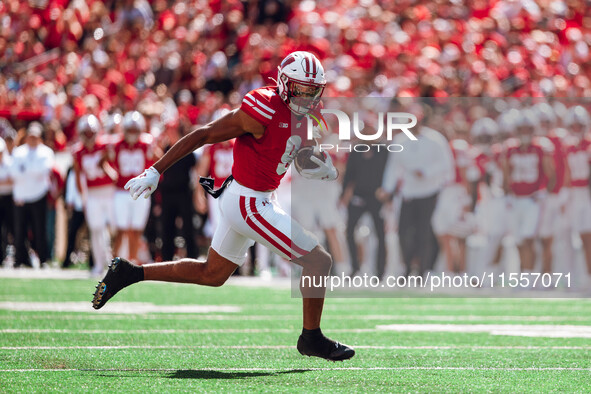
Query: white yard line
x=303, y=369
x=277, y=347
x=115, y=307
x=522, y=330
x=234, y=317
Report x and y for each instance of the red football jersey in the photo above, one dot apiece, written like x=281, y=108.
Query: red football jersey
x=578, y=157
x=259, y=164
x=220, y=160
x=131, y=160
x=559, y=160
x=526, y=170
x=88, y=161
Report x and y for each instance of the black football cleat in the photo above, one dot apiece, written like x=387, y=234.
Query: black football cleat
x=119, y=275
x=325, y=348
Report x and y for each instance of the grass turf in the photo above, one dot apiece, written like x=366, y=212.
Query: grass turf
x=253, y=350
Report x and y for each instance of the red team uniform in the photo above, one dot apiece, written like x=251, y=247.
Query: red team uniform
x=552, y=221
x=450, y=215
x=578, y=159
x=128, y=160
x=98, y=198
x=249, y=209
x=526, y=180
x=221, y=158
x=88, y=161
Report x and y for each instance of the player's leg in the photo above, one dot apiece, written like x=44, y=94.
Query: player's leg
x=461, y=254
x=261, y=219
x=582, y=220
x=20, y=232
x=354, y=213
x=98, y=214
x=407, y=233
x=140, y=210
x=549, y=221
x=227, y=253
x=586, y=239
x=121, y=217
x=547, y=255
x=378, y=223
x=39, y=227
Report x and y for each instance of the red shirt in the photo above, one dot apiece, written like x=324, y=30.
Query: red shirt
x=259, y=164
x=526, y=170
x=578, y=157
x=131, y=160
x=220, y=160
x=88, y=161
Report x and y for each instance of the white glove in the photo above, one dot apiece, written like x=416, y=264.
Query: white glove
x=324, y=171
x=144, y=184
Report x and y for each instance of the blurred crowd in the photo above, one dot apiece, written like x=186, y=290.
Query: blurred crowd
x=182, y=60
x=183, y=63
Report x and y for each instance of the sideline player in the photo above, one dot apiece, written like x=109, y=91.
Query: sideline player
x=578, y=157
x=529, y=173
x=266, y=142
x=553, y=221
x=453, y=220
x=131, y=154
x=94, y=180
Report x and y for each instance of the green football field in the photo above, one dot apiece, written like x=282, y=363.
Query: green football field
x=158, y=337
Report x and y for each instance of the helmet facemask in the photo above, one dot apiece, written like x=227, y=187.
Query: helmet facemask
x=131, y=135
x=302, y=97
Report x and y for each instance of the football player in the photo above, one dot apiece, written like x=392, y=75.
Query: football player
x=452, y=219
x=552, y=216
x=578, y=158
x=130, y=155
x=269, y=128
x=94, y=180
x=491, y=208
x=528, y=173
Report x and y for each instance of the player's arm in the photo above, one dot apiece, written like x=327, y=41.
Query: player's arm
x=77, y=176
x=506, y=167
x=232, y=125
x=107, y=167
x=549, y=171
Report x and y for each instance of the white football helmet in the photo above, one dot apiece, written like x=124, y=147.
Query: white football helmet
x=545, y=114
x=577, y=116
x=133, y=124
x=88, y=126
x=301, y=81
x=508, y=121
x=484, y=127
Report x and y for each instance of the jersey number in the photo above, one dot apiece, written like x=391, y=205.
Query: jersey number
x=579, y=165
x=525, y=168
x=90, y=166
x=131, y=162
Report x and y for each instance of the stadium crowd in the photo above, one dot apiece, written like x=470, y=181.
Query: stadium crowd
x=183, y=63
